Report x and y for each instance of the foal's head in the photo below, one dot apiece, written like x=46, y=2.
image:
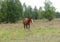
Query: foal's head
x=30, y=20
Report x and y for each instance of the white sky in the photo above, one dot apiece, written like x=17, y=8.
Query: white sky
x=39, y=3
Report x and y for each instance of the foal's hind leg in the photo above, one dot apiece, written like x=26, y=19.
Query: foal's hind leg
x=24, y=26
x=29, y=26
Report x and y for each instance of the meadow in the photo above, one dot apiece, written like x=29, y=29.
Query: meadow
x=40, y=31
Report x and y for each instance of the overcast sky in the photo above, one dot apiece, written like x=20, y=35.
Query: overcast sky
x=38, y=3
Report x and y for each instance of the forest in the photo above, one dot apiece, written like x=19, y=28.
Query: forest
x=12, y=11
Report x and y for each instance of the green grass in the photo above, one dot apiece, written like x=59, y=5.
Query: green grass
x=41, y=31
x=12, y=35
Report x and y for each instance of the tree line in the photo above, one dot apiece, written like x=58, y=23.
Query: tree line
x=13, y=11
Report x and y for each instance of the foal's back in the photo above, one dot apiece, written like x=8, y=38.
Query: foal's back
x=25, y=20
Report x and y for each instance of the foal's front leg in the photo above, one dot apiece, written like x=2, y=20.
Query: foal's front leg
x=26, y=27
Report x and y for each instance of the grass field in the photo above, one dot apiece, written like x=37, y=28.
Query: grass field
x=40, y=31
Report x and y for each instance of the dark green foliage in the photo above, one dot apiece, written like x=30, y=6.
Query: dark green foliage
x=3, y=12
x=11, y=11
x=40, y=13
x=14, y=11
x=27, y=11
x=57, y=15
x=24, y=10
x=49, y=11
x=35, y=13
